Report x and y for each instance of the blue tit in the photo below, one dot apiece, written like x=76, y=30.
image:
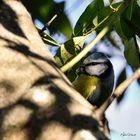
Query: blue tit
x=95, y=78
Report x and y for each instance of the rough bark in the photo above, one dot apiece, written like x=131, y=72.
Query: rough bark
x=36, y=99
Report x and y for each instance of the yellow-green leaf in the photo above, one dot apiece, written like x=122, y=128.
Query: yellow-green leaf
x=69, y=49
x=47, y=38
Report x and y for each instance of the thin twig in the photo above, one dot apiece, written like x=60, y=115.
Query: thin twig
x=49, y=23
x=118, y=92
x=51, y=20
x=84, y=51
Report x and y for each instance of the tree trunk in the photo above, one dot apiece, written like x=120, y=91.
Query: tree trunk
x=36, y=99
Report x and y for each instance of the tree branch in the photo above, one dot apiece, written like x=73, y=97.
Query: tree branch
x=118, y=92
x=84, y=51
x=36, y=99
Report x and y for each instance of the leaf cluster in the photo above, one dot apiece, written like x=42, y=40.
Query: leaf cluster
x=122, y=18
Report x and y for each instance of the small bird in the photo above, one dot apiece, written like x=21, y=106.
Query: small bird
x=95, y=78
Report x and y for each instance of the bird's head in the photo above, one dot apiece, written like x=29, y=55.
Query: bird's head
x=97, y=64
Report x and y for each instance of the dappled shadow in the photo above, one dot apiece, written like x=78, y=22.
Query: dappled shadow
x=25, y=50
x=9, y=20
x=58, y=111
x=7, y=86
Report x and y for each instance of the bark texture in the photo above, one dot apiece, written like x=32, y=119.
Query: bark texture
x=37, y=102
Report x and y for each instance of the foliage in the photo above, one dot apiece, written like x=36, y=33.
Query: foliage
x=44, y=10
x=120, y=17
x=121, y=78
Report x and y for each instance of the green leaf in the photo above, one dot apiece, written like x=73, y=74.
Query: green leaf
x=95, y=17
x=48, y=40
x=118, y=29
x=132, y=28
x=129, y=25
x=123, y=28
x=131, y=52
x=69, y=49
x=135, y=22
x=126, y=28
x=129, y=10
x=89, y=18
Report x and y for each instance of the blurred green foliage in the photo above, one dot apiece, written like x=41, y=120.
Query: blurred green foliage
x=44, y=10
x=127, y=27
x=95, y=18
x=121, y=78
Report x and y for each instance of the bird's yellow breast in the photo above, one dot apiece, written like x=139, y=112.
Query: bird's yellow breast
x=85, y=84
